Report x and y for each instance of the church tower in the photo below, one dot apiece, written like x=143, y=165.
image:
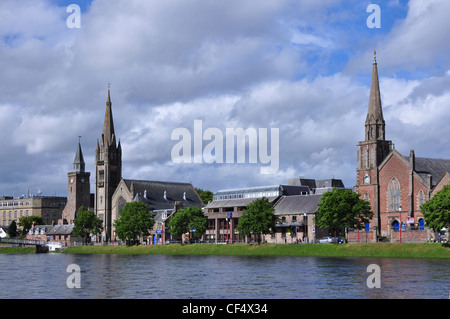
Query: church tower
x=373, y=150
x=78, y=193
x=108, y=170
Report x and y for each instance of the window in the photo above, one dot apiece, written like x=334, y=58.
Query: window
x=394, y=195
x=421, y=197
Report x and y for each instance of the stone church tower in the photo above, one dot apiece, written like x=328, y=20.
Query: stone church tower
x=373, y=150
x=108, y=170
x=78, y=193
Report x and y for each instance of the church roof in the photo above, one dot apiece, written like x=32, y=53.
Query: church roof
x=436, y=167
x=160, y=195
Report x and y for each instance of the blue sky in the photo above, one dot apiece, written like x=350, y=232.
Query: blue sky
x=301, y=66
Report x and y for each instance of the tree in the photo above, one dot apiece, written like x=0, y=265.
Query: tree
x=12, y=229
x=135, y=221
x=342, y=208
x=26, y=222
x=86, y=223
x=205, y=195
x=187, y=220
x=436, y=211
x=258, y=218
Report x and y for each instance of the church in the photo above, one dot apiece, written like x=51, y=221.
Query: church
x=394, y=184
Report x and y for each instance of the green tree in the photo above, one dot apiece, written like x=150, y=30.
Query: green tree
x=135, y=221
x=342, y=208
x=26, y=222
x=205, y=195
x=86, y=223
x=436, y=211
x=257, y=219
x=188, y=219
x=12, y=229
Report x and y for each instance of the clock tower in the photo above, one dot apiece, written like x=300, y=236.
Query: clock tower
x=373, y=150
x=78, y=192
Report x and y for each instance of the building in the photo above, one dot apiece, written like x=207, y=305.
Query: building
x=48, y=207
x=291, y=202
x=162, y=198
x=78, y=189
x=108, y=170
x=394, y=184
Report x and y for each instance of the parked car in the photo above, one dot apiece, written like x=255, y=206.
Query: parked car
x=172, y=241
x=193, y=241
x=337, y=240
x=327, y=239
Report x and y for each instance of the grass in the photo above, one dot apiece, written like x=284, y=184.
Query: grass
x=387, y=250
x=17, y=250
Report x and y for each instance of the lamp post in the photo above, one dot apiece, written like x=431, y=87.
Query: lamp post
x=304, y=222
x=400, y=224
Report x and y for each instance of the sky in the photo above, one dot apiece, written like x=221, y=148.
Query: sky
x=301, y=68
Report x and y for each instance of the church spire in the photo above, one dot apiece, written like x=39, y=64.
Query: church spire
x=78, y=162
x=108, y=135
x=375, y=125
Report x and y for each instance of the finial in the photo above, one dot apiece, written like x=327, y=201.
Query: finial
x=375, y=56
x=109, y=85
x=79, y=139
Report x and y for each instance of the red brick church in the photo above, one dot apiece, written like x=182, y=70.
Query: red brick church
x=394, y=184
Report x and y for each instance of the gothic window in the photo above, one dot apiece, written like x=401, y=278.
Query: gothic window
x=366, y=197
x=394, y=195
x=421, y=198
x=120, y=205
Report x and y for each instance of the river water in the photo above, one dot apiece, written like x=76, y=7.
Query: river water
x=218, y=277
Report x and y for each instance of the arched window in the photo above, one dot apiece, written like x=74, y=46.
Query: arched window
x=421, y=197
x=394, y=195
x=120, y=205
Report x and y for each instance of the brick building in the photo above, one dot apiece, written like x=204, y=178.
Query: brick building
x=394, y=184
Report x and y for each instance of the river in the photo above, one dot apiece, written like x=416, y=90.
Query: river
x=47, y=276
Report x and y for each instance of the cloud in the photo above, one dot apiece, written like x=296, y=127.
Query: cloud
x=287, y=64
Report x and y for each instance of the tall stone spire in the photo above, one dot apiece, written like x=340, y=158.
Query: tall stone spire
x=108, y=135
x=78, y=162
x=375, y=125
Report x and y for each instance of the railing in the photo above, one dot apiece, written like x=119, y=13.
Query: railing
x=18, y=241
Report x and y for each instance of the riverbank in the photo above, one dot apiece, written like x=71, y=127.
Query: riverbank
x=387, y=250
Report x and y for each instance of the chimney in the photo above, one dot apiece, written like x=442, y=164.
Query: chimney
x=412, y=160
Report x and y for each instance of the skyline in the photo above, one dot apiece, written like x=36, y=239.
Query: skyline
x=299, y=66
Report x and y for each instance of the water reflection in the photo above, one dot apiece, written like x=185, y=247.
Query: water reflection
x=217, y=277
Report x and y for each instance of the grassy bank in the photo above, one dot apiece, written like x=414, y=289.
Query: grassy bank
x=423, y=250
x=17, y=250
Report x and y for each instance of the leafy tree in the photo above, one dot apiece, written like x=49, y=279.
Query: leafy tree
x=187, y=219
x=342, y=208
x=436, y=211
x=26, y=222
x=86, y=223
x=135, y=220
x=205, y=195
x=12, y=229
x=258, y=218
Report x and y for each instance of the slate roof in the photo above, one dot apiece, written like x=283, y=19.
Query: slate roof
x=297, y=204
x=152, y=193
x=61, y=229
x=434, y=166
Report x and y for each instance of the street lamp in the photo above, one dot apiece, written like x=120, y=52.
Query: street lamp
x=304, y=222
x=400, y=224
